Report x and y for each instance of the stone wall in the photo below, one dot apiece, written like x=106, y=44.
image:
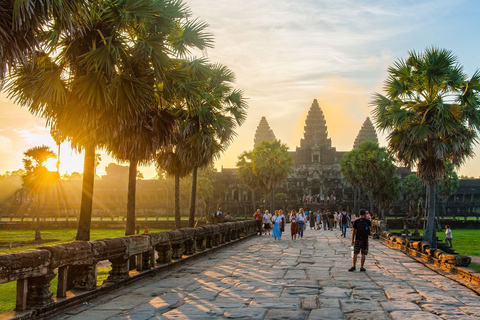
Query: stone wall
x=132, y=257
x=422, y=251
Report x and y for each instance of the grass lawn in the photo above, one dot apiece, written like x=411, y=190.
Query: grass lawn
x=63, y=235
x=8, y=290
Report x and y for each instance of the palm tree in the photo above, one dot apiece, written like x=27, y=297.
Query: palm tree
x=37, y=178
x=169, y=161
x=22, y=21
x=87, y=80
x=208, y=127
x=138, y=143
x=431, y=111
x=58, y=137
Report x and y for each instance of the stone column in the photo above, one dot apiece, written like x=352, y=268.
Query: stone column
x=38, y=293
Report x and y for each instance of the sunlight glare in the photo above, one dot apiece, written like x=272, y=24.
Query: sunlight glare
x=51, y=164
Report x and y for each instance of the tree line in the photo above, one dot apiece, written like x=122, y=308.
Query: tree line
x=121, y=76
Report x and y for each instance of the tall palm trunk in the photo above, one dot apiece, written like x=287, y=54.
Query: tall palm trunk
x=84, y=221
x=178, y=223
x=132, y=190
x=191, y=216
x=58, y=159
x=430, y=235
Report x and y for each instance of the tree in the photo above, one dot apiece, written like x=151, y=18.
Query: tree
x=412, y=188
x=271, y=164
x=58, y=137
x=247, y=175
x=448, y=186
x=21, y=23
x=37, y=179
x=347, y=168
x=372, y=168
x=85, y=80
x=208, y=127
x=431, y=111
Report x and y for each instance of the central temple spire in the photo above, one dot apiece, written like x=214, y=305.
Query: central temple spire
x=315, y=130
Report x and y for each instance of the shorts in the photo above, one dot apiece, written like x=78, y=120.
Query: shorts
x=361, y=245
x=267, y=226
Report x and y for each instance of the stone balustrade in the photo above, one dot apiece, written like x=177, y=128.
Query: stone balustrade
x=75, y=263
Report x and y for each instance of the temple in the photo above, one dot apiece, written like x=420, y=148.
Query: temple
x=263, y=133
x=317, y=164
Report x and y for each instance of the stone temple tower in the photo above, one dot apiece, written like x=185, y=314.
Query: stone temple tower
x=263, y=133
x=315, y=147
x=366, y=133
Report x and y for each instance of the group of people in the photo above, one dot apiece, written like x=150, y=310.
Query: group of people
x=318, y=198
x=275, y=225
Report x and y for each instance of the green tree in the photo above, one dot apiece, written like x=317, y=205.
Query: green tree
x=348, y=170
x=247, y=175
x=431, y=111
x=37, y=179
x=372, y=168
x=411, y=187
x=210, y=125
x=22, y=22
x=87, y=78
x=448, y=186
x=271, y=164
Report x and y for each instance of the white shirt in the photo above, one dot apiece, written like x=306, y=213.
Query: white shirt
x=266, y=218
x=300, y=217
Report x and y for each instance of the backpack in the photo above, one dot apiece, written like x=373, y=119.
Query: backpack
x=344, y=218
x=363, y=231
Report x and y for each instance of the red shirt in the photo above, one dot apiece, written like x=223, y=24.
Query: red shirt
x=258, y=216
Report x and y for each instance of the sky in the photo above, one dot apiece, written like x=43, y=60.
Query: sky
x=285, y=54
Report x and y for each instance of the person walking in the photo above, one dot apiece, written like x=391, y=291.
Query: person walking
x=344, y=217
x=259, y=220
x=360, y=233
x=311, y=219
x=267, y=222
x=284, y=221
x=325, y=220
x=448, y=236
x=293, y=225
x=276, y=220
x=301, y=222
x=318, y=216
x=330, y=220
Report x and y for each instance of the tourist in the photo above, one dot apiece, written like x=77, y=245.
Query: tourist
x=311, y=219
x=360, y=233
x=293, y=225
x=448, y=236
x=325, y=220
x=276, y=220
x=284, y=221
x=228, y=217
x=335, y=219
x=318, y=216
x=219, y=216
x=267, y=222
x=353, y=217
x=330, y=220
x=301, y=222
x=259, y=220
x=344, y=217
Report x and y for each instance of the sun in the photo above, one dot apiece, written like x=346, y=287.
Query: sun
x=51, y=164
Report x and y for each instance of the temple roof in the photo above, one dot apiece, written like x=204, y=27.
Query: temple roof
x=366, y=133
x=315, y=130
x=263, y=133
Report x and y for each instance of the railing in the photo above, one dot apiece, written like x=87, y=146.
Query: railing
x=75, y=263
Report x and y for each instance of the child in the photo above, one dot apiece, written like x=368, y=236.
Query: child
x=448, y=236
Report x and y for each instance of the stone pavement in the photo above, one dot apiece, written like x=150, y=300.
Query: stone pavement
x=265, y=279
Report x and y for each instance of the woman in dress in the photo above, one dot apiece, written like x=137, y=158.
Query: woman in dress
x=293, y=225
x=276, y=220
